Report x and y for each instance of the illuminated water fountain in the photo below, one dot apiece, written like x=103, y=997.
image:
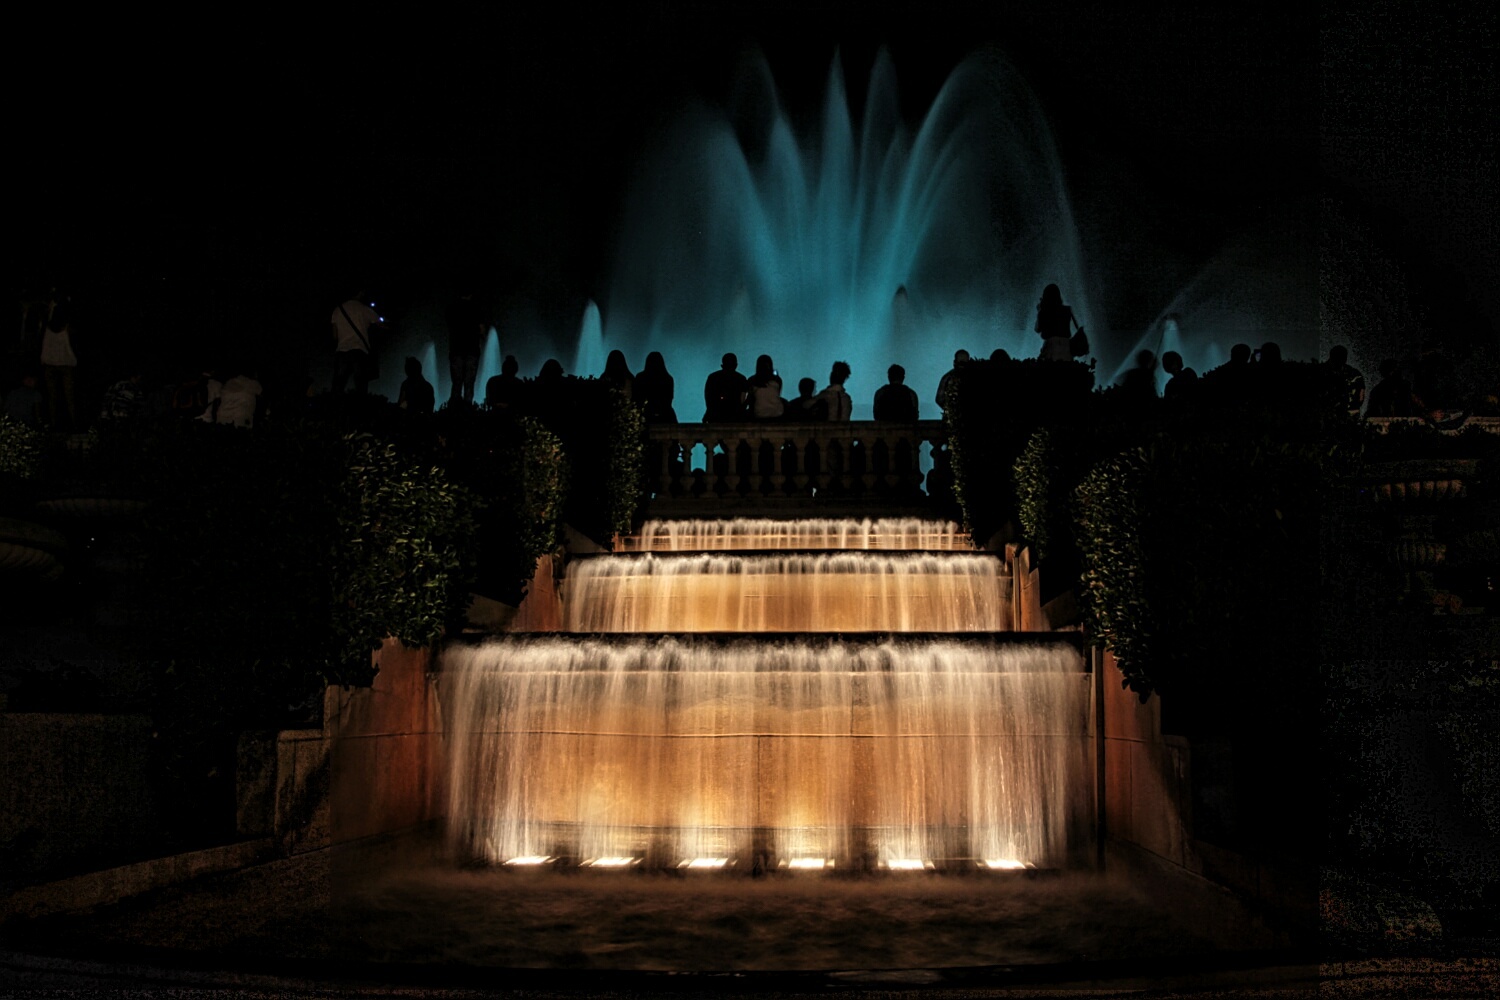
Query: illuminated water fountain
x=751, y=533
x=794, y=592
x=676, y=748
x=869, y=237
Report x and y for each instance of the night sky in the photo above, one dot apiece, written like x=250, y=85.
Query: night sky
x=216, y=194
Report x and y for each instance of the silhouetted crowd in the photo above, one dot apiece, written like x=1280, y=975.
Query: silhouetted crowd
x=44, y=393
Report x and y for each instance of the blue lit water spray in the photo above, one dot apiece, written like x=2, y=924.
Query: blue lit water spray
x=760, y=239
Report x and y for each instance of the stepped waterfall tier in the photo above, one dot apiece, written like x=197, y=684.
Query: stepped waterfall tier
x=803, y=592
x=783, y=709
x=752, y=533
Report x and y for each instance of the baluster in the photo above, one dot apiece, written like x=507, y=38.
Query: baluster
x=711, y=475
x=734, y=463
x=810, y=464
x=685, y=479
x=778, y=466
x=664, y=449
x=832, y=473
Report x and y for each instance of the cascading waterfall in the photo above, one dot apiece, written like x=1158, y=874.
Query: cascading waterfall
x=674, y=748
x=818, y=592
x=904, y=533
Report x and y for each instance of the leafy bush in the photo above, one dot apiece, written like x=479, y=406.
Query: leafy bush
x=1111, y=594
x=1189, y=549
x=402, y=555
x=992, y=413
x=20, y=450
x=601, y=433
x=518, y=468
x=277, y=559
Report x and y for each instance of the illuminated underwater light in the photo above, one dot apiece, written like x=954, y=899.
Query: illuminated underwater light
x=531, y=859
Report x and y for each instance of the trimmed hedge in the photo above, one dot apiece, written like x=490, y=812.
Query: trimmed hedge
x=518, y=467
x=992, y=413
x=601, y=432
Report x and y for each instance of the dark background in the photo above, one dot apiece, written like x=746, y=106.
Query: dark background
x=212, y=186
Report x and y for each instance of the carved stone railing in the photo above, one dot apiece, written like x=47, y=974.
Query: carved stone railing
x=865, y=460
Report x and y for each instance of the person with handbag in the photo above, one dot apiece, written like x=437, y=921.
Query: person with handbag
x=1055, y=322
x=353, y=357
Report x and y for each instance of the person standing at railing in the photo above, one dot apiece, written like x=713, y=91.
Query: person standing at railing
x=895, y=400
x=724, y=393
x=617, y=374
x=950, y=381
x=765, y=391
x=837, y=402
x=654, y=389
x=806, y=406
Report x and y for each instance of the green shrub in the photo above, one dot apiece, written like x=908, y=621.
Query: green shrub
x=402, y=554
x=601, y=432
x=20, y=450
x=517, y=467
x=991, y=415
x=1191, y=549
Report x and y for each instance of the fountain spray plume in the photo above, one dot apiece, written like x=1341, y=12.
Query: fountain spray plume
x=759, y=240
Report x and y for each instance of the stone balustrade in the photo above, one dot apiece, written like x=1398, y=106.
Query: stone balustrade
x=752, y=461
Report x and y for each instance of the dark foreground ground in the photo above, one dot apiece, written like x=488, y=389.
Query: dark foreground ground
x=404, y=924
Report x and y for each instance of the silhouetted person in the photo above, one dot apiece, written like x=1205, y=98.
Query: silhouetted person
x=1140, y=381
x=1392, y=395
x=724, y=392
x=999, y=354
x=1183, y=381
x=59, y=368
x=948, y=381
x=417, y=396
x=506, y=390
x=895, y=400
x=351, y=325
x=837, y=404
x=551, y=373
x=1231, y=380
x=807, y=404
x=1349, y=377
x=1055, y=323
x=764, y=389
x=467, y=328
x=654, y=389
x=617, y=373
x=23, y=404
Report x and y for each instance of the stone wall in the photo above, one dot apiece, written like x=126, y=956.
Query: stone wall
x=75, y=793
x=385, y=745
x=1147, y=786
